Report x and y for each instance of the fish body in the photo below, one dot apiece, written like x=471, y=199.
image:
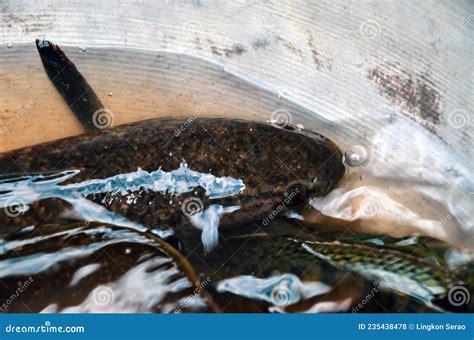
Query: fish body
x=391, y=268
x=399, y=281
x=284, y=273
x=268, y=162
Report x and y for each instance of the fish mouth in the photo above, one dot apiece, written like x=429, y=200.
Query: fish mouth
x=299, y=193
x=295, y=195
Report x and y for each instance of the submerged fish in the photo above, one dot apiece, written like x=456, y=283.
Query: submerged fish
x=274, y=170
x=69, y=264
x=396, y=281
x=105, y=268
x=161, y=173
x=73, y=87
x=393, y=269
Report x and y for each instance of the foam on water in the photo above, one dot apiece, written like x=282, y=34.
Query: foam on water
x=26, y=190
x=83, y=272
x=174, y=182
x=208, y=222
x=132, y=293
x=42, y=261
x=138, y=291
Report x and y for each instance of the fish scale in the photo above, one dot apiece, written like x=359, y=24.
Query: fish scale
x=265, y=256
x=382, y=263
x=152, y=147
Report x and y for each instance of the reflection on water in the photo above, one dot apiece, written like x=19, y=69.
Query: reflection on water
x=282, y=290
x=401, y=181
x=417, y=182
x=417, y=190
x=96, y=268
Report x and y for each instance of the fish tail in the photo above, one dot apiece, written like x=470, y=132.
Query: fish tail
x=76, y=92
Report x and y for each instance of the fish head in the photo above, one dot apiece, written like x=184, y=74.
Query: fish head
x=282, y=168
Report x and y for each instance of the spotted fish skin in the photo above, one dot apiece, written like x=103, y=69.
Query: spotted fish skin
x=266, y=158
x=389, y=266
x=264, y=255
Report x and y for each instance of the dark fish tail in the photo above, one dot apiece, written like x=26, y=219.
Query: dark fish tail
x=69, y=82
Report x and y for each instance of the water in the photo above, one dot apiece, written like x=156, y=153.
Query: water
x=422, y=189
x=402, y=180
x=19, y=193
x=96, y=269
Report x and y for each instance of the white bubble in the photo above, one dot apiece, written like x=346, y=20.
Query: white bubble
x=356, y=155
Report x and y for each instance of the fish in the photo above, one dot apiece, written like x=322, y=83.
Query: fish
x=275, y=170
x=255, y=272
x=392, y=268
x=94, y=267
x=161, y=173
x=71, y=85
x=395, y=280
x=189, y=176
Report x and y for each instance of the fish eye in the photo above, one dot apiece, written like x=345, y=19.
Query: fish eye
x=295, y=194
